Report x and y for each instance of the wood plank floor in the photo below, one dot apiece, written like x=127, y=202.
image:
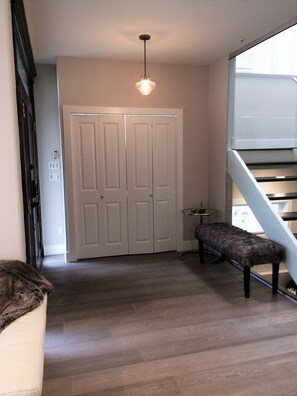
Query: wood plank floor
x=155, y=325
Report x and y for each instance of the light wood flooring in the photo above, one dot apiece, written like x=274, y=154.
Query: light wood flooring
x=156, y=325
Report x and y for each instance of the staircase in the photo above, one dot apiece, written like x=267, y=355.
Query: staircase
x=281, y=182
x=265, y=178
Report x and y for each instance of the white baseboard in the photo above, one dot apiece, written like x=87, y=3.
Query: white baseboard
x=50, y=250
x=190, y=245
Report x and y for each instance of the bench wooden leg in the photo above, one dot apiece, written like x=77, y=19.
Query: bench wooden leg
x=201, y=251
x=247, y=275
x=275, y=272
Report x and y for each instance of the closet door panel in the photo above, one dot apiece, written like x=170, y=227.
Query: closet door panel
x=143, y=213
x=139, y=176
x=114, y=232
x=86, y=187
x=162, y=214
x=164, y=184
x=90, y=226
x=124, y=186
x=113, y=185
x=112, y=155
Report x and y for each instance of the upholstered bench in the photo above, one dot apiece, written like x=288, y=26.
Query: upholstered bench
x=242, y=247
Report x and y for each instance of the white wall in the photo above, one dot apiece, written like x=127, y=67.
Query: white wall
x=87, y=82
x=95, y=82
x=48, y=139
x=218, y=107
x=91, y=82
x=12, y=239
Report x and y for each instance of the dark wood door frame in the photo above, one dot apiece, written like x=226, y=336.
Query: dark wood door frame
x=25, y=73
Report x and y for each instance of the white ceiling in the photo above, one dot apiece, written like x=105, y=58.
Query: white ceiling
x=183, y=31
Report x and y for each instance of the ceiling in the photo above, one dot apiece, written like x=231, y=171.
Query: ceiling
x=183, y=31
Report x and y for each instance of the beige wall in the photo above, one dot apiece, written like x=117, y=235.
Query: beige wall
x=97, y=82
x=218, y=105
x=12, y=242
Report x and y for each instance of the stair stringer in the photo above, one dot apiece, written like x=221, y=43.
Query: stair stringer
x=272, y=224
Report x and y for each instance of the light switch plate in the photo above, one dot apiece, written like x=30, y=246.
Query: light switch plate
x=54, y=176
x=53, y=165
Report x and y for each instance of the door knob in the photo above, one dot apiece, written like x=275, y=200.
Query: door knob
x=102, y=196
x=151, y=195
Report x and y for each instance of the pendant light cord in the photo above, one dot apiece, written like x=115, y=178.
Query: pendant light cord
x=144, y=57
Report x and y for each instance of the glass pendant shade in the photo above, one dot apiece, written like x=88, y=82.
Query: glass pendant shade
x=145, y=85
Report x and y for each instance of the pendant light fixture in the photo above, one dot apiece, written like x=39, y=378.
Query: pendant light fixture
x=145, y=85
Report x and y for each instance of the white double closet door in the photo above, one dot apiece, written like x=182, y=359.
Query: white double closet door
x=124, y=184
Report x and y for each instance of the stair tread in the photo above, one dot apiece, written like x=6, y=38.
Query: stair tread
x=287, y=216
x=282, y=196
x=271, y=163
x=263, y=179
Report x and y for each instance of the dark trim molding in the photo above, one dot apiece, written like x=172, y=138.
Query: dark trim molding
x=21, y=34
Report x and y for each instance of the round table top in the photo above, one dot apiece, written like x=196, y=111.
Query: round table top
x=198, y=212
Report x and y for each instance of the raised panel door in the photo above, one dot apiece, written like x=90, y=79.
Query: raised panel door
x=99, y=183
x=113, y=185
x=86, y=187
x=164, y=184
x=140, y=190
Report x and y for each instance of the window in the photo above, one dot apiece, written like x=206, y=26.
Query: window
x=265, y=94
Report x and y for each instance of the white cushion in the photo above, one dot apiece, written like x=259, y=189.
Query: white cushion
x=22, y=354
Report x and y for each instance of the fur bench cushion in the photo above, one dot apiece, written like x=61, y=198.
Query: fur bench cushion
x=22, y=289
x=241, y=246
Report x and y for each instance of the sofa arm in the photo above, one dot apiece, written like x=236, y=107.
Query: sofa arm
x=22, y=354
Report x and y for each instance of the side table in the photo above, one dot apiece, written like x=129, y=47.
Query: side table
x=202, y=213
